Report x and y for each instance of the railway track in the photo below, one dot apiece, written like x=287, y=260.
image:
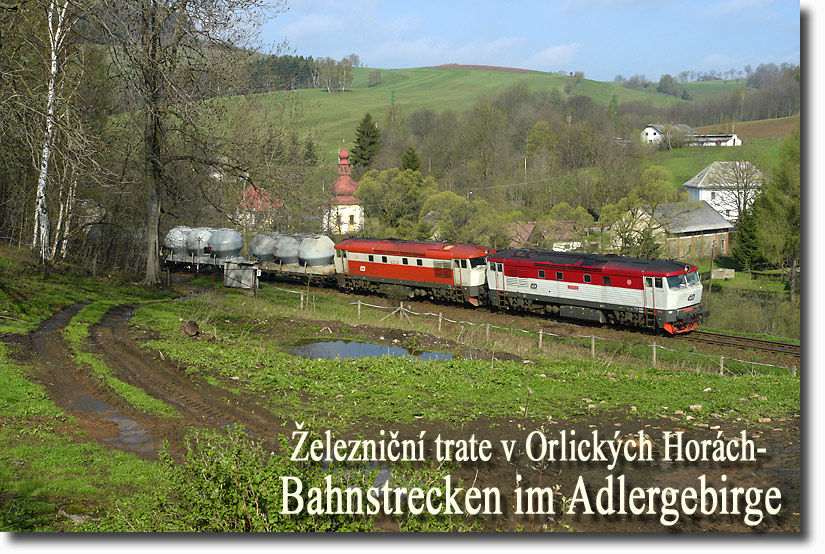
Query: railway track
x=745, y=342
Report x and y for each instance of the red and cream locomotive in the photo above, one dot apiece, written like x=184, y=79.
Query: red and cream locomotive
x=605, y=288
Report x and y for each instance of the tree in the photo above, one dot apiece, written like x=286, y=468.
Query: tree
x=410, y=160
x=668, y=85
x=446, y=215
x=746, y=250
x=779, y=213
x=367, y=143
x=395, y=197
x=170, y=54
x=59, y=24
x=374, y=78
x=738, y=184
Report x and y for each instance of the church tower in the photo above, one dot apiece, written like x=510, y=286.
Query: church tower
x=345, y=214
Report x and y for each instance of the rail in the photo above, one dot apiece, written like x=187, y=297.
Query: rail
x=745, y=342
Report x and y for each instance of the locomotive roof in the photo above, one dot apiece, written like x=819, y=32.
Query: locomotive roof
x=428, y=249
x=599, y=263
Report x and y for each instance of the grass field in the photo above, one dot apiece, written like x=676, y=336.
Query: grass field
x=335, y=115
x=765, y=128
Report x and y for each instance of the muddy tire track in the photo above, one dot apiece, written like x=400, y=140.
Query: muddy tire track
x=200, y=403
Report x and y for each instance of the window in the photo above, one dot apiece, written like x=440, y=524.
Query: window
x=658, y=282
x=463, y=264
x=384, y=259
x=587, y=278
x=541, y=274
x=649, y=282
x=370, y=257
x=606, y=281
x=560, y=276
x=352, y=219
x=404, y=261
x=477, y=262
x=419, y=262
x=492, y=266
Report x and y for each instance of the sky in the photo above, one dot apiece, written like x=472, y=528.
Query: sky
x=602, y=38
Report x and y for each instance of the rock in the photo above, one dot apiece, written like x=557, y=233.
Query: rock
x=696, y=407
x=764, y=420
x=190, y=328
x=678, y=412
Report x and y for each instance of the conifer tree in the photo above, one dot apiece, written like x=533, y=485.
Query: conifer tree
x=410, y=160
x=367, y=143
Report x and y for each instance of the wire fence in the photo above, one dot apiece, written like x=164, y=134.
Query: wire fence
x=658, y=354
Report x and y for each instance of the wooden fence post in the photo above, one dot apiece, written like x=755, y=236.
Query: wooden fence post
x=721, y=365
x=439, y=322
x=359, y=309
x=302, y=301
x=541, y=335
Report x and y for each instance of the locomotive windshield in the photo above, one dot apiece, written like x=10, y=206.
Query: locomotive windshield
x=676, y=281
x=477, y=262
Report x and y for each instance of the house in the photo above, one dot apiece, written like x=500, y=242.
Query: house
x=690, y=229
x=345, y=212
x=560, y=236
x=719, y=139
x=657, y=132
x=728, y=187
x=257, y=208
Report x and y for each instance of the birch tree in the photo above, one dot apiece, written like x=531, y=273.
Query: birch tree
x=59, y=23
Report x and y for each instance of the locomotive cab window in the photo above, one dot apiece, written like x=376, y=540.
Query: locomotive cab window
x=492, y=266
x=560, y=276
x=649, y=282
x=587, y=278
x=420, y=262
x=658, y=282
x=477, y=262
x=463, y=264
x=370, y=257
x=541, y=274
x=606, y=280
x=404, y=261
x=384, y=259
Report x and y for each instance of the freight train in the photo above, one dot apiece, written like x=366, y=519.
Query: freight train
x=605, y=288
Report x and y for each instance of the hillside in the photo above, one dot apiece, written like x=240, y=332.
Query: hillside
x=766, y=128
x=335, y=115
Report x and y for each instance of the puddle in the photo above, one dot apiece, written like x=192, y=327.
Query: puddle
x=130, y=436
x=330, y=350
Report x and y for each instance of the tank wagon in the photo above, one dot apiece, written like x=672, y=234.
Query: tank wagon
x=605, y=288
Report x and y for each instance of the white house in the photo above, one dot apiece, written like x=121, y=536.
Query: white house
x=728, y=187
x=657, y=132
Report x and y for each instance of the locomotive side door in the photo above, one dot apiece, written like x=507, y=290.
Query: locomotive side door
x=650, y=300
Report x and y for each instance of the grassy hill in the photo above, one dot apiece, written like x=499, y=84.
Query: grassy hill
x=765, y=128
x=335, y=115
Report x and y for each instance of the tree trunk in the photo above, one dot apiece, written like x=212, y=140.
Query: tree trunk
x=56, y=18
x=792, y=278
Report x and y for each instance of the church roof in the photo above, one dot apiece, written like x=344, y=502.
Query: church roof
x=344, y=187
